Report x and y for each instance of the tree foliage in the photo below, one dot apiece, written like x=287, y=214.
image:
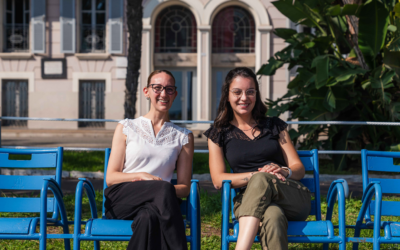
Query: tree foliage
x=343, y=73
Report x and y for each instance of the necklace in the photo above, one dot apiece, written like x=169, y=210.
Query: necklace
x=251, y=127
x=248, y=129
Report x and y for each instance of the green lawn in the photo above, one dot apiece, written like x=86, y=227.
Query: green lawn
x=94, y=162
x=211, y=220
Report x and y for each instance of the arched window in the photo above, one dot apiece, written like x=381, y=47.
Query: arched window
x=176, y=31
x=233, y=31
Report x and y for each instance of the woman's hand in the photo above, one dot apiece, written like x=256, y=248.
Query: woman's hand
x=276, y=170
x=146, y=177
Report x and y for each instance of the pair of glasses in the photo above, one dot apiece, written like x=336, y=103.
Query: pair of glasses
x=158, y=88
x=238, y=92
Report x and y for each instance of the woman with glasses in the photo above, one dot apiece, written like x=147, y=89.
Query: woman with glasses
x=264, y=161
x=145, y=152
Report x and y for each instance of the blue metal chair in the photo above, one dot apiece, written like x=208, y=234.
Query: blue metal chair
x=318, y=231
x=103, y=229
x=24, y=228
x=382, y=162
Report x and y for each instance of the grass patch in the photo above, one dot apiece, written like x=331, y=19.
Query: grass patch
x=94, y=162
x=83, y=161
x=211, y=222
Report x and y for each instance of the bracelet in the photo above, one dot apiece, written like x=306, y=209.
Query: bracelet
x=289, y=170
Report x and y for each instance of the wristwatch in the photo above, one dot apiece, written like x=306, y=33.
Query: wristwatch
x=290, y=172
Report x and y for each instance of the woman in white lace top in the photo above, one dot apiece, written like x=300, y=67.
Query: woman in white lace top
x=145, y=152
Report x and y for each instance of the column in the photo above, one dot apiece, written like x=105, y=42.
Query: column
x=145, y=70
x=204, y=72
x=263, y=47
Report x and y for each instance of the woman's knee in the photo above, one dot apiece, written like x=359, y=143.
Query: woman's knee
x=145, y=217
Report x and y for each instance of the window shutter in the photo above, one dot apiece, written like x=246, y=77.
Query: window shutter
x=115, y=20
x=67, y=26
x=38, y=26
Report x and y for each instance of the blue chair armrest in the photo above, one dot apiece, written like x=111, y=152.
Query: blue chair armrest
x=337, y=189
x=194, y=213
x=226, y=192
x=83, y=184
x=373, y=188
x=58, y=195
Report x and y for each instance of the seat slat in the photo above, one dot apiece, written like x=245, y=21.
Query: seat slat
x=48, y=160
x=389, y=208
x=24, y=205
x=15, y=225
x=310, y=228
x=382, y=164
x=22, y=182
x=388, y=186
x=117, y=227
x=395, y=229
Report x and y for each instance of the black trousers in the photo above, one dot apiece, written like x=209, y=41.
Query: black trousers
x=154, y=209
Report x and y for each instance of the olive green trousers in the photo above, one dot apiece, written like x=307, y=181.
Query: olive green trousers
x=274, y=202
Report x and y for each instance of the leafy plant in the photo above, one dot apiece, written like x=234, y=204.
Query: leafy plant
x=343, y=73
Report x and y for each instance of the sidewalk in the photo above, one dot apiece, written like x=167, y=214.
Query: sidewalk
x=81, y=138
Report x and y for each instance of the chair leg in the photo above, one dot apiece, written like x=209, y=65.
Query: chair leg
x=96, y=245
x=342, y=246
x=224, y=243
x=42, y=242
x=357, y=231
x=77, y=244
x=326, y=246
x=376, y=245
x=67, y=244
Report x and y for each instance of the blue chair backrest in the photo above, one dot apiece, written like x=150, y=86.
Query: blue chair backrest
x=49, y=159
x=106, y=158
x=310, y=162
x=382, y=162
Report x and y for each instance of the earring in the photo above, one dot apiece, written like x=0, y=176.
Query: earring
x=147, y=98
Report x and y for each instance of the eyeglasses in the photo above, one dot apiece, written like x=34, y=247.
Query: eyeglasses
x=238, y=92
x=158, y=88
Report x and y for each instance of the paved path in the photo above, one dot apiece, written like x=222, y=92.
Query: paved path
x=87, y=138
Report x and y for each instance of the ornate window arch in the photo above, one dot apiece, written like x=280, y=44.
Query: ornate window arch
x=175, y=31
x=233, y=31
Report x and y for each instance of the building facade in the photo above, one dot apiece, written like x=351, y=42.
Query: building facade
x=68, y=58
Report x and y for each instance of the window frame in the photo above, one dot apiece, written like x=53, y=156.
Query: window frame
x=93, y=26
x=249, y=31
x=17, y=81
x=25, y=25
x=160, y=30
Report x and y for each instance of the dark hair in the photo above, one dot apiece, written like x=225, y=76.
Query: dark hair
x=158, y=71
x=225, y=112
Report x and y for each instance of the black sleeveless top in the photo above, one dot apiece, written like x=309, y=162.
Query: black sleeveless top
x=246, y=155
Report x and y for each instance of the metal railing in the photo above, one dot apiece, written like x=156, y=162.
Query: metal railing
x=205, y=151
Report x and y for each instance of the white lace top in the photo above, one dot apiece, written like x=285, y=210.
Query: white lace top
x=156, y=155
